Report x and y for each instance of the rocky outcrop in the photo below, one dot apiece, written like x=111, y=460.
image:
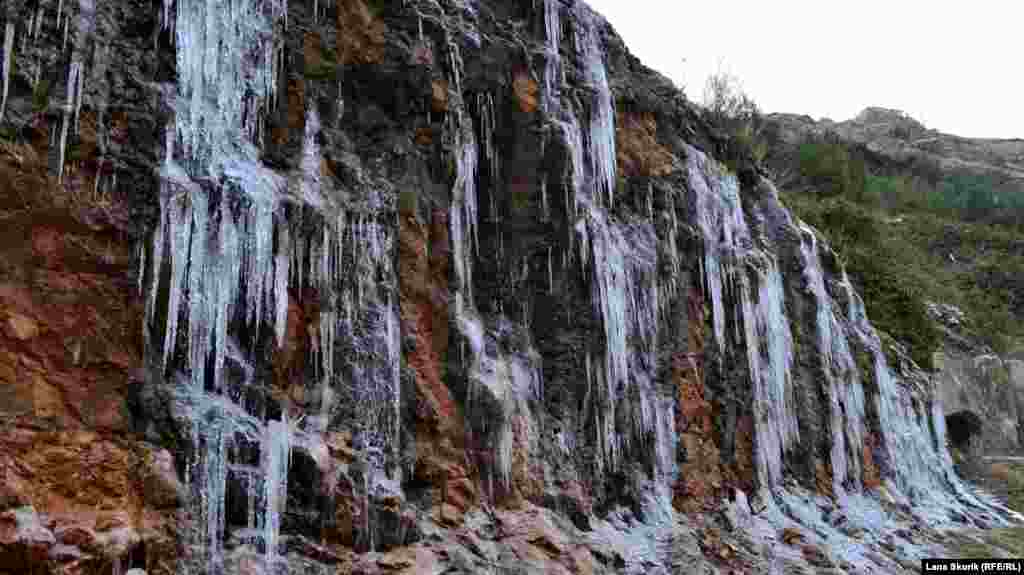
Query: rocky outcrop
x=976, y=383
x=900, y=138
x=423, y=287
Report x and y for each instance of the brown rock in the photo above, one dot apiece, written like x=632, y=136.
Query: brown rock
x=791, y=536
x=823, y=478
x=360, y=33
x=10, y=494
x=460, y=493
x=76, y=535
x=448, y=514
x=160, y=483
x=411, y=560
x=46, y=399
x=637, y=149
x=439, y=95
x=424, y=136
x=423, y=274
x=815, y=556
x=21, y=327
x=112, y=520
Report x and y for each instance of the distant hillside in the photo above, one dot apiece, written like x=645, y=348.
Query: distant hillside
x=919, y=216
x=895, y=134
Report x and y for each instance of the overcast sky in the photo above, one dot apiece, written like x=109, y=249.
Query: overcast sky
x=955, y=66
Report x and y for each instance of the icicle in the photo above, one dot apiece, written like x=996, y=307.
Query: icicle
x=485, y=109
x=141, y=257
x=198, y=300
x=226, y=276
x=776, y=424
x=39, y=22
x=8, y=58
x=601, y=135
x=281, y=262
x=70, y=107
x=551, y=274
x=720, y=220
x=310, y=164
x=211, y=486
x=276, y=461
x=179, y=230
x=846, y=398
x=165, y=21
x=66, y=25
x=552, y=63
x=463, y=216
x=159, y=238
x=394, y=345
x=221, y=90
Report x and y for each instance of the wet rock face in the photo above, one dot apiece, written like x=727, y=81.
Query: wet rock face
x=415, y=287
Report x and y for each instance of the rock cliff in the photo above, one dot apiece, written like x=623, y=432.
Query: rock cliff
x=899, y=137
x=351, y=286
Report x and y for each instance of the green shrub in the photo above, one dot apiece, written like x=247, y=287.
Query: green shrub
x=831, y=169
x=41, y=95
x=408, y=202
x=892, y=283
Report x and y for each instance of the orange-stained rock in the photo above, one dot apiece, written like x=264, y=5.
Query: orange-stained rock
x=20, y=327
x=424, y=136
x=791, y=536
x=295, y=122
x=637, y=148
x=360, y=33
x=526, y=90
x=743, y=471
x=70, y=350
x=425, y=318
x=823, y=478
x=411, y=560
x=312, y=50
x=289, y=358
x=701, y=475
x=527, y=473
x=439, y=95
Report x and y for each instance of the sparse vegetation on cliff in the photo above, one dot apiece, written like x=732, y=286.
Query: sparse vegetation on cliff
x=910, y=232
x=735, y=115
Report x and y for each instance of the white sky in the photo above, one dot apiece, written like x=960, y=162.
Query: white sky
x=957, y=67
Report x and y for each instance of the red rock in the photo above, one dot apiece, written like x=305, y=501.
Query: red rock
x=77, y=535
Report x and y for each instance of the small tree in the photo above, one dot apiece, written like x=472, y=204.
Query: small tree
x=735, y=115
